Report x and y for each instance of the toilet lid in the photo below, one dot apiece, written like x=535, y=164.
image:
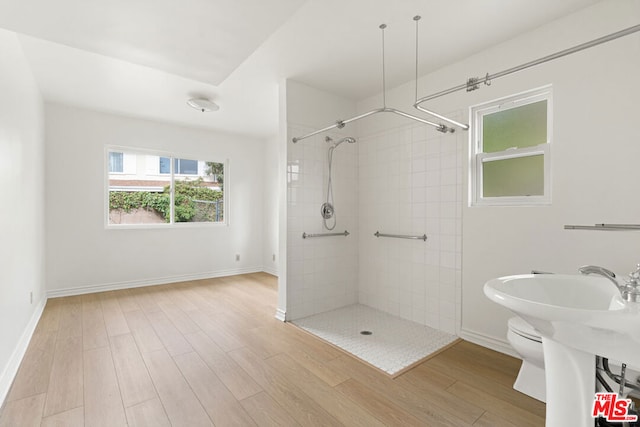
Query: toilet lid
x=521, y=327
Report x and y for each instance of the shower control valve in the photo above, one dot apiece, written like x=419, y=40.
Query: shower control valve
x=326, y=210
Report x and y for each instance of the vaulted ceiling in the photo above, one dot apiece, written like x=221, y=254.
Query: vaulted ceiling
x=146, y=58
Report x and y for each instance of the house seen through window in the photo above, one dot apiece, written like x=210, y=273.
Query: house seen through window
x=510, y=150
x=116, y=162
x=180, y=166
x=145, y=188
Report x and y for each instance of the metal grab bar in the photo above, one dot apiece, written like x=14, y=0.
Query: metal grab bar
x=345, y=233
x=604, y=227
x=401, y=236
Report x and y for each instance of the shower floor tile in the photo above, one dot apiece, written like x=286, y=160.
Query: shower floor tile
x=393, y=345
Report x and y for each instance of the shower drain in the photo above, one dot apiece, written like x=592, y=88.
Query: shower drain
x=366, y=333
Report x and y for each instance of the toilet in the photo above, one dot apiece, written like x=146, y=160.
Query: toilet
x=526, y=341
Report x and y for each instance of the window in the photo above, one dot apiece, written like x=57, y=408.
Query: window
x=116, y=162
x=165, y=165
x=510, y=150
x=181, y=166
x=186, y=167
x=163, y=189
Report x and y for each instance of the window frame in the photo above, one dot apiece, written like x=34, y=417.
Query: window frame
x=477, y=157
x=171, y=155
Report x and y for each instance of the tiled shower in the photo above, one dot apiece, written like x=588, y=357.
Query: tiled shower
x=404, y=180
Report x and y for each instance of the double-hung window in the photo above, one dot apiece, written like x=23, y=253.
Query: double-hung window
x=511, y=149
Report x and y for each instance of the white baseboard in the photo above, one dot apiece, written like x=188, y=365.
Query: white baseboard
x=89, y=289
x=11, y=369
x=272, y=271
x=281, y=315
x=501, y=346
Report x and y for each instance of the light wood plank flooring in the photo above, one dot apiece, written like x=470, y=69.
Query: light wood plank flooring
x=211, y=353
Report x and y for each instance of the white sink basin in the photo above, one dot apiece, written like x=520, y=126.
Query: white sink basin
x=584, y=312
x=578, y=317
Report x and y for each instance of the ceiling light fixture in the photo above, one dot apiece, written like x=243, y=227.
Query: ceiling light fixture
x=203, y=104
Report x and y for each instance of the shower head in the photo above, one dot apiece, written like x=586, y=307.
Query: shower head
x=348, y=139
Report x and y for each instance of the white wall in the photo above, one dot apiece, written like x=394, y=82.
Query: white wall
x=22, y=213
x=270, y=198
x=321, y=272
x=283, y=205
x=82, y=256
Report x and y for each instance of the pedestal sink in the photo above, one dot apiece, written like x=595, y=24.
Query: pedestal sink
x=578, y=318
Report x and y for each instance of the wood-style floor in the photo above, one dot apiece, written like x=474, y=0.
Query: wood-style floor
x=211, y=353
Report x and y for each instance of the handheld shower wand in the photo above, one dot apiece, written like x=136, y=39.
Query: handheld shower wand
x=327, y=210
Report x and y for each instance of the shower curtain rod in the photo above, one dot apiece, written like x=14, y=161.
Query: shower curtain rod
x=471, y=85
x=474, y=82
x=341, y=123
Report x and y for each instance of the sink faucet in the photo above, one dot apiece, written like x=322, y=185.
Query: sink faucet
x=630, y=290
x=600, y=271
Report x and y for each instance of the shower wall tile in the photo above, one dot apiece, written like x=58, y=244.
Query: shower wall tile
x=410, y=182
x=322, y=273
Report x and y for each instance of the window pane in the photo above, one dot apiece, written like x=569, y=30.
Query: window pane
x=140, y=196
x=520, y=176
x=165, y=165
x=520, y=127
x=186, y=167
x=202, y=199
x=139, y=207
x=116, y=162
x=215, y=171
x=195, y=201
